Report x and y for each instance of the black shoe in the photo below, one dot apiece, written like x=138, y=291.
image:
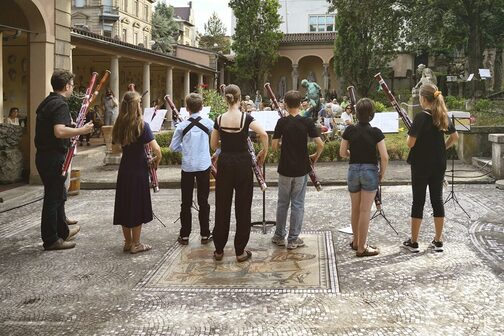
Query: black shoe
x=206, y=239
x=60, y=244
x=183, y=240
x=437, y=246
x=412, y=247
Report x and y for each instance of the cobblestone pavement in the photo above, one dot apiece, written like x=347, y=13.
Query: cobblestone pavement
x=92, y=289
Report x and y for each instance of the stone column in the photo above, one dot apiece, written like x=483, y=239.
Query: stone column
x=295, y=76
x=497, y=141
x=169, y=81
x=1, y=79
x=325, y=76
x=146, y=85
x=114, y=76
x=72, y=47
x=169, y=91
x=222, y=79
x=187, y=84
x=215, y=82
x=201, y=80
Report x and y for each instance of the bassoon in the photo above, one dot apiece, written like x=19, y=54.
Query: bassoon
x=154, y=182
x=89, y=97
x=353, y=103
x=404, y=116
x=274, y=102
x=175, y=111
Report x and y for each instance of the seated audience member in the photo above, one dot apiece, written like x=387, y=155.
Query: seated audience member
x=13, y=119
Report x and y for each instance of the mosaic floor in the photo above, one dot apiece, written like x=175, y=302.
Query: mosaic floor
x=310, y=269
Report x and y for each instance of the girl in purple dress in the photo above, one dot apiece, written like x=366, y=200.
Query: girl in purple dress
x=133, y=201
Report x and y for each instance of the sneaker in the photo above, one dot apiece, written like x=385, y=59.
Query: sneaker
x=295, y=244
x=60, y=244
x=206, y=239
x=412, y=247
x=437, y=246
x=278, y=241
x=183, y=240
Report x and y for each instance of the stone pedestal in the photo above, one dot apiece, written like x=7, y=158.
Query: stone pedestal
x=11, y=158
x=113, y=152
x=414, y=106
x=497, y=141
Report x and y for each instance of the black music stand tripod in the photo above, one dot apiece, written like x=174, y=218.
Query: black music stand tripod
x=380, y=212
x=451, y=195
x=265, y=224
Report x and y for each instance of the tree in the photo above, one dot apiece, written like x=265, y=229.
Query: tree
x=165, y=30
x=469, y=26
x=368, y=39
x=215, y=38
x=256, y=40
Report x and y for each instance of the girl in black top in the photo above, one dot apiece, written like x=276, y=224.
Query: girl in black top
x=428, y=162
x=360, y=143
x=234, y=173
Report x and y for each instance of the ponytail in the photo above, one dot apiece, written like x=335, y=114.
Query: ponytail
x=439, y=110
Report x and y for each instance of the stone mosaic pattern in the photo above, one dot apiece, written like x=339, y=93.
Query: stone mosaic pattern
x=310, y=269
x=92, y=289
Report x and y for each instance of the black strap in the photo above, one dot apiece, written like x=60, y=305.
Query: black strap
x=232, y=128
x=195, y=122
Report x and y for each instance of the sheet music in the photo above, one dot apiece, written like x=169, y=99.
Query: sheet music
x=387, y=122
x=267, y=119
x=203, y=113
x=155, y=120
x=462, y=120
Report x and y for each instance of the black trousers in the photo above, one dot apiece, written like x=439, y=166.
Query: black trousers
x=53, y=224
x=420, y=179
x=203, y=186
x=234, y=173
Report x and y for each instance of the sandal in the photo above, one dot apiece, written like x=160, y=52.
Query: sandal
x=368, y=252
x=245, y=257
x=127, y=247
x=141, y=247
x=218, y=256
x=355, y=248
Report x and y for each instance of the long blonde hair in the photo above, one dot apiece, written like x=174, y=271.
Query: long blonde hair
x=129, y=124
x=439, y=110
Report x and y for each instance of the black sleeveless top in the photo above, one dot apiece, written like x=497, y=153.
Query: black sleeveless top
x=234, y=142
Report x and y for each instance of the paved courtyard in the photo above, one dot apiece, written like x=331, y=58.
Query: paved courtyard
x=323, y=289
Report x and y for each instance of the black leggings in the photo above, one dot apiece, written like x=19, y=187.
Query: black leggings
x=419, y=183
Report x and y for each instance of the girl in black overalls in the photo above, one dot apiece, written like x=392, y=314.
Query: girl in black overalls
x=234, y=173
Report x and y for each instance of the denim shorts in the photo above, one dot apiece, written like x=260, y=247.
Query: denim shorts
x=362, y=176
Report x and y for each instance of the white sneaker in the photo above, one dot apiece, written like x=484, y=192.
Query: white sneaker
x=295, y=244
x=278, y=241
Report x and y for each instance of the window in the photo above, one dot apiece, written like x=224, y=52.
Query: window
x=137, y=8
x=125, y=5
x=146, y=12
x=135, y=38
x=145, y=42
x=107, y=29
x=125, y=35
x=321, y=23
x=80, y=3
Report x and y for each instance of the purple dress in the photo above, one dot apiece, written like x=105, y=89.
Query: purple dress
x=133, y=199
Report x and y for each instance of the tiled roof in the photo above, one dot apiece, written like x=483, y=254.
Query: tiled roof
x=309, y=38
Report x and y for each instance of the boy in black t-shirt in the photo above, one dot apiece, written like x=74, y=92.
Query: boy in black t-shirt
x=293, y=168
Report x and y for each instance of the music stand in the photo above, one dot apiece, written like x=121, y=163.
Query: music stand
x=264, y=223
x=194, y=206
x=462, y=127
x=380, y=212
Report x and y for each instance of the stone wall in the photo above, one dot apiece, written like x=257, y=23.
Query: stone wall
x=11, y=158
x=475, y=143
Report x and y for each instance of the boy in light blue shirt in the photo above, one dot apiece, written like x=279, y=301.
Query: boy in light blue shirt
x=191, y=137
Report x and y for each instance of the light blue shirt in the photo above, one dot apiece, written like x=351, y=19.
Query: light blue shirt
x=195, y=145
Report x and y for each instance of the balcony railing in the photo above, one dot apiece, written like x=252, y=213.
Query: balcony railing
x=109, y=13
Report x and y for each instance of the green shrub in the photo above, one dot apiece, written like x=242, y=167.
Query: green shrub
x=379, y=107
x=169, y=157
x=454, y=103
x=164, y=138
x=213, y=99
x=483, y=105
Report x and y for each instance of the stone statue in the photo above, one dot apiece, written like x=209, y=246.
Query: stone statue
x=282, y=86
x=428, y=76
x=313, y=94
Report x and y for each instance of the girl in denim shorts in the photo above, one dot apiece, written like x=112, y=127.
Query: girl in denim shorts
x=360, y=143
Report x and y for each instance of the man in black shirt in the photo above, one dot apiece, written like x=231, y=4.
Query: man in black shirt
x=293, y=168
x=52, y=138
